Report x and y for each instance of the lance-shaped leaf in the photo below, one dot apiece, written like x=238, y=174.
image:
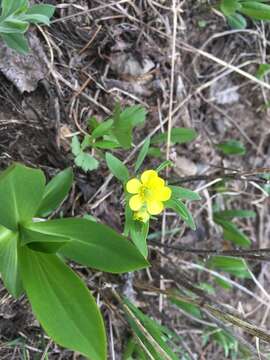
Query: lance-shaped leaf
x=21, y=191
x=94, y=245
x=42, y=242
x=181, y=209
x=9, y=261
x=55, y=192
x=62, y=304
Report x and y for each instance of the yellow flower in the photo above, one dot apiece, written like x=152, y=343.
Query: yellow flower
x=149, y=193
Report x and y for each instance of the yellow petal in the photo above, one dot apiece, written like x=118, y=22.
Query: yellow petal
x=142, y=215
x=133, y=186
x=135, y=202
x=156, y=183
x=147, y=176
x=164, y=193
x=154, y=207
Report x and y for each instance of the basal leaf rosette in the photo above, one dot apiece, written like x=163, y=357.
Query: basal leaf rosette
x=148, y=195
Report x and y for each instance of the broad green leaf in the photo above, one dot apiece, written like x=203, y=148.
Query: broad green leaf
x=230, y=214
x=13, y=26
x=86, y=162
x=55, y=192
x=42, y=242
x=93, y=244
x=12, y=6
x=9, y=268
x=232, y=147
x=232, y=233
x=159, y=335
x=35, y=19
x=138, y=233
x=62, y=304
x=229, y=7
x=125, y=121
x=178, y=136
x=231, y=265
x=142, y=154
x=262, y=71
x=187, y=307
x=181, y=209
x=154, y=152
x=117, y=168
x=16, y=42
x=102, y=129
x=237, y=21
x=45, y=10
x=255, y=10
x=21, y=191
x=75, y=146
x=179, y=192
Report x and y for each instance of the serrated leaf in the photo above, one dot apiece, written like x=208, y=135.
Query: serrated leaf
x=102, y=128
x=117, y=168
x=178, y=136
x=182, y=211
x=55, y=192
x=93, y=244
x=21, y=191
x=142, y=154
x=232, y=147
x=125, y=121
x=231, y=265
x=9, y=267
x=86, y=162
x=62, y=304
x=181, y=193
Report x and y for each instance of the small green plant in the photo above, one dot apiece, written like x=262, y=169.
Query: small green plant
x=15, y=19
x=232, y=147
x=33, y=252
x=236, y=11
x=115, y=132
x=147, y=196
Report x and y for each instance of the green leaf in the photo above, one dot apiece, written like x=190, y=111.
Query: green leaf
x=106, y=144
x=182, y=211
x=181, y=193
x=102, y=129
x=55, y=192
x=9, y=268
x=93, y=244
x=262, y=71
x=35, y=19
x=178, y=136
x=62, y=304
x=117, y=168
x=187, y=307
x=237, y=21
x=12, y=6
x=142, y=154
x=75, y=146
x=232, y=147
x=13, y=26
x=164, y=165
x=138, y=232
x=16, y=42
x=155, y=337
x=230, y=214
x=125, y=121
x=256, y=10
x=45, y=10
x=42, y=242
x=21, y=191
x=232, y=233
x=86, y=162
x=229, y=7
x=154, y=152
x=231, y=265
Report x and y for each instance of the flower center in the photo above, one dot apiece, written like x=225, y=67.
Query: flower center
x=145, y=192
